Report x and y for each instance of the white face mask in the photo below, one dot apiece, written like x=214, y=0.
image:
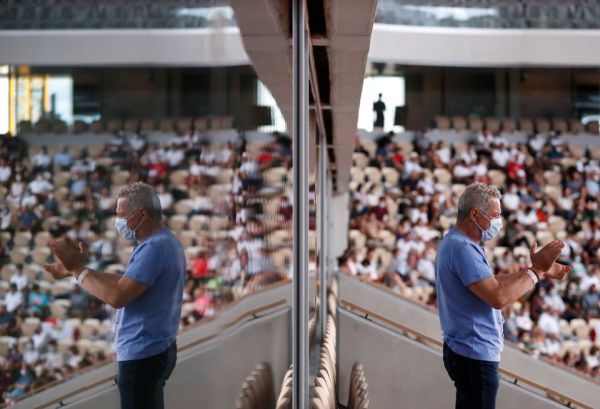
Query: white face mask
x=493, y=230
x=124, y=230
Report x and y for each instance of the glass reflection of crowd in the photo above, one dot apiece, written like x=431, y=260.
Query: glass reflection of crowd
x=228, y=202
x=404, y=198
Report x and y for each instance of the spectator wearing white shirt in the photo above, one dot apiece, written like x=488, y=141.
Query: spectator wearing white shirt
x=5, y=171
x=548, y=322
x=42, y=162
x=18, y=278
x=40, y=186
x=511, y=199
x=501, y=156
x=13, y=299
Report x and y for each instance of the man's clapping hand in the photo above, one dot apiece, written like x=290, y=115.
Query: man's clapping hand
x=544, y=261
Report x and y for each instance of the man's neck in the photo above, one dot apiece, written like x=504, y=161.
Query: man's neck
x=148, y=230
x=470, y=230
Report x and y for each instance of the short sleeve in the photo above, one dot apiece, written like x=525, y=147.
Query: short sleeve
x=470, y=264
x=145, y=264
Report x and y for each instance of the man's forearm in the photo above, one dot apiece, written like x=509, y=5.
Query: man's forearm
x=513, y=286
x=103, y=286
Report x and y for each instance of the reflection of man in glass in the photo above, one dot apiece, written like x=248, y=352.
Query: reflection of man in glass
x=379, y=109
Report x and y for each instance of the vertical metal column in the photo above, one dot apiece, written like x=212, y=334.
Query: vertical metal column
x=323, y=251
x=300, y=220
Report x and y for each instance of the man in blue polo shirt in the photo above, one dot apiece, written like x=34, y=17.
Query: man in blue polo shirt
x=147, y=297
x=470, y=297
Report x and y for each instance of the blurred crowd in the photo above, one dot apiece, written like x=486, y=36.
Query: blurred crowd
x=228, y=203
x=404, y=198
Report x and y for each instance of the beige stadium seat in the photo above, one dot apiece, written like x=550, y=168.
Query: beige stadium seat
x=526, y=125
x=178, y=177
x=459, y=123
x=166, y=125
x=41, y=255
x=201, y=124
x=552, y=178
x=114, y=125
x=183, y=124
x=580, y=328
x=120, y=177
x=509, y=125
x=542, y=125
x=442, y=176
x=18, y=255
x=187, y=238
x=442, y=123
x=544, y=237
x=89, y=327
x=59, y=308
x=391, y=176
x=80, y=127
x=360, y=160
x=132, y=125
x=22, y=239
x=493, y=124
x=125, y=255
x=97, y=126
x=5, y=343
x=177, y=222
x=148, y=125
x=7, y=271
x=595, y=152
x=370, y=146
x=199, y=223
x=184, y=206
x=575, y=126
x=557, y=224
x=560, y=125
x=475, y=124
x=275, y=176
x=578, y=151
x=358, y=238
x=357, y=174
x=554, y=192
x=84, y=345
x=460, y=147
x=225, y=176
x=374, y=174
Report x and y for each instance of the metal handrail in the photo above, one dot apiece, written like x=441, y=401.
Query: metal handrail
x=426, y=339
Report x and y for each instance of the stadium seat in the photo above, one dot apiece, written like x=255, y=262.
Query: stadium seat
x=509, y=125
x=442, y=123
x=575, y=126
x=526, y=125
x=114, y=125
x=542, y=125
x=459, y=123
x=553, y=178
x=201, y=124
x=560, y=125
x=360, y=160
x=131, y=125
x=18, y=255
x=148, y=125
x=493, y=124
x=475, y=124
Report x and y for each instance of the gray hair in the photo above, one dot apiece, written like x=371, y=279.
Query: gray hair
x=141, y=196
x=476, y=196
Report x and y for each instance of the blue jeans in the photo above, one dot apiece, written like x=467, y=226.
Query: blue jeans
x=476, y=381
x=141, y=381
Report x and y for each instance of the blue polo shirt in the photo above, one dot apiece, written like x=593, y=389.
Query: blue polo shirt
x=471, y=327
x=148, y=324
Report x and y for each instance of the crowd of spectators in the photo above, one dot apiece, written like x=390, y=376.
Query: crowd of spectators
x=404, y=198
x=228, y=203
